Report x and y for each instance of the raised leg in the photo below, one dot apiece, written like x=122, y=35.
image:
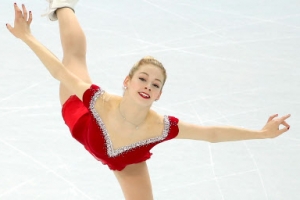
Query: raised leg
x=74, y=48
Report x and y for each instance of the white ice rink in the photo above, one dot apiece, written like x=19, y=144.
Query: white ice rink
x=229, y=62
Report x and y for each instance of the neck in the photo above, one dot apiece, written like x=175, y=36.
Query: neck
x=133, y=113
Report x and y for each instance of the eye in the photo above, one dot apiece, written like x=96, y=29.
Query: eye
x=155, y=85
x=142, y=79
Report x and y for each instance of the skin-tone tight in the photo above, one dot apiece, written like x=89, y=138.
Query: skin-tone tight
x=74, y=48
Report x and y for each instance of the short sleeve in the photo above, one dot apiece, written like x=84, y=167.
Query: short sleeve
x=89, y=94
x=173, y=129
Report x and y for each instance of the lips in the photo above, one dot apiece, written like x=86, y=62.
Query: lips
x=144, y=95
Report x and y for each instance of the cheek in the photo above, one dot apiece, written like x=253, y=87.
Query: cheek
x=158, y=93
x=135, y=83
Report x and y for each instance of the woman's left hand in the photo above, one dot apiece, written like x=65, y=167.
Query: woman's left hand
x=22, y=23
x=272, y=129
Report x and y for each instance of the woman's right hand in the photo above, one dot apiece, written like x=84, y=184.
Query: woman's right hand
x=22, y=23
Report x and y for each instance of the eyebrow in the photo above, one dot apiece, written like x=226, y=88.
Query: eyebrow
x=148, y=75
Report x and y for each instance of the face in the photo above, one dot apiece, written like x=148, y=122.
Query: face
x=146, y=83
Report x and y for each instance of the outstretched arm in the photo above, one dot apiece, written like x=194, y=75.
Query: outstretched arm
x=22, y=31
x=229, y=133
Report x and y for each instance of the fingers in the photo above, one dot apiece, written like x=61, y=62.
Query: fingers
x=281, y=119
x=285, y=124
x=9, y=27
x=30, y=18
x=18, y=12
x=25, y=14
x=22, y=13
x=285, y=129
x=272, y=117
x=284, y=118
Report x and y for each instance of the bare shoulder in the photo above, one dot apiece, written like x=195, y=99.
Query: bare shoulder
x=155, y=125
x=155, y=118
x=107, y=102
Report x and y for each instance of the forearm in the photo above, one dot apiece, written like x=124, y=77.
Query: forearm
x=223, y=134
x=50, y=61
x=230, y=133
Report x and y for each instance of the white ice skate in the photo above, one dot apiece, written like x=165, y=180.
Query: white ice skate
x=55, y=4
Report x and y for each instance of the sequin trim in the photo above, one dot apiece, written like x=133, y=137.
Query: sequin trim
x=115, y=152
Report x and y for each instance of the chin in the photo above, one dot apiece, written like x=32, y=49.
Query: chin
x=145, y=102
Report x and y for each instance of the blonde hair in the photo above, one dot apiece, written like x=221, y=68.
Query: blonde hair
x=148, y=60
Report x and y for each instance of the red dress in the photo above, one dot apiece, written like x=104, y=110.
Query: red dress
x=87, y=127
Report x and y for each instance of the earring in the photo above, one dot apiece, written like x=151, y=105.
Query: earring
x=125, y=87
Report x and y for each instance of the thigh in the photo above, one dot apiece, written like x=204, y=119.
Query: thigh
x=135, y=181
x=79, y=69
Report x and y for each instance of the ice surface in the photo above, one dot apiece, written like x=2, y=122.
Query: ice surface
x=228, y=63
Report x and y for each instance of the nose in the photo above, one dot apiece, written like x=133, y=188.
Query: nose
x=147, y=88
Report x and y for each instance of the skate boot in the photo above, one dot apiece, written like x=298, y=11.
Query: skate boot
x=56, y=4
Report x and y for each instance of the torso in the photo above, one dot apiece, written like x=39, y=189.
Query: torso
x=98, y=126
x=122, y=133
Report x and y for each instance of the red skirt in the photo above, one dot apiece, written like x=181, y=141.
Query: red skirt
x=75, y=115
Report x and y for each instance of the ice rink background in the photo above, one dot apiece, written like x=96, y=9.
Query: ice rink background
x=228, y=62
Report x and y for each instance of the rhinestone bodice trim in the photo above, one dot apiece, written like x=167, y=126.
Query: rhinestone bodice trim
x=115, y=152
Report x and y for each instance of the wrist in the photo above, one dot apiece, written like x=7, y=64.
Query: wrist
x=262, y=134
x=27, y=38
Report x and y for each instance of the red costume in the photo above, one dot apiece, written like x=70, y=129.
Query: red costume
x=87, y=127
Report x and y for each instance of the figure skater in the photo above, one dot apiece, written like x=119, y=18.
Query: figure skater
x=119, y=131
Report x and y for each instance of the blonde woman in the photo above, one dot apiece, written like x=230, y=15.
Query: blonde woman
x=119, y=131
